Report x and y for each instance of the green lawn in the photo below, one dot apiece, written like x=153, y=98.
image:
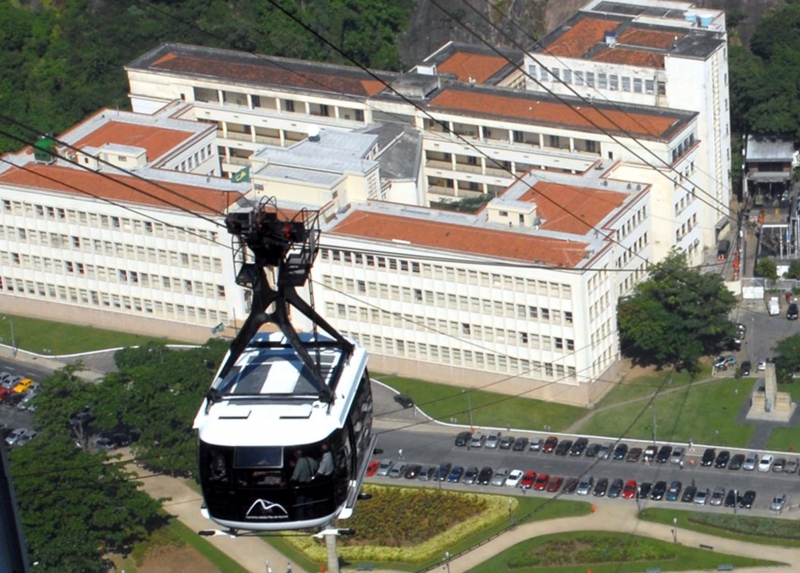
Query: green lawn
x=605, y=552
x=645, y=385
x=37, y=336
x=704, y=413
x=728, y=524
x=786, y=439
x=445, y=402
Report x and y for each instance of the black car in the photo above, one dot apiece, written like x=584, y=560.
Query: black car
x=708, y=457
x=506, y=442
x=485, y=476
x=722, y=459
x=591, y=450
x=620, y=452
x=688, y=494
x=470, y=476
x=745, y=368
x=600, y=487
x=615, y=489
x=634, y=454
x=563, y=447
x=730, y=499
x=404, y=400
x=412, y=471
x=748, y=499
x=791, y=313
x=663, y=454
x=463, y=438
x=658, y=491
x=520, y=444
x=644, y=489
x=736, y=462
x=443, y=471
x=570, y=485
x=578, y=447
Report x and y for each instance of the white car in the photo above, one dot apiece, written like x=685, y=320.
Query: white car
x=766, y=463
x=514, y=478
x=762, y=365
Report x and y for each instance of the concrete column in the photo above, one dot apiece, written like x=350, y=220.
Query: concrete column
x=333, y=558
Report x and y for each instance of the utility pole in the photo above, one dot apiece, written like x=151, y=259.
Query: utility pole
x=654, y=424
x=13, y=338
x=469, y=405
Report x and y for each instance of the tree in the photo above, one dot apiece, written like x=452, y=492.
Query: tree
x=676, y=316
x=794, y=270
x=767, y=269
x=787, y=358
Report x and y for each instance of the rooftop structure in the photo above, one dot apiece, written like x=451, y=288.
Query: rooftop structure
x=471, y=63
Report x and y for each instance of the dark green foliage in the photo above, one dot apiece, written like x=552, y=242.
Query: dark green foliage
x=62, y=61
x=767, y=268
x=787, y=359
x=676, y=316
x=757, y=526
x=794, y=271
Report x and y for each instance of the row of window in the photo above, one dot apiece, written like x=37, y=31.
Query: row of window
x=466, y=358
x=449, y=327
x=95, y=220
x=686, y=228
x=632, y=223
x=147, y=307
x=683, y=146
x=631, y=280
x=596, y=308
x=196, y=159
x=612, y=82
x=602, y=333
x=451, y=274
x=448, y=300
x=631, y=251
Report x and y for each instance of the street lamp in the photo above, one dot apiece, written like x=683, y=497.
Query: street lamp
x=675, y=529
x=469, y=405
x=13, y=338
x=447, y=561
x=654, y=423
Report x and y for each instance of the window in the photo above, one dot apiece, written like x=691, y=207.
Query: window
x=590, y=79
x=556, y=73
x=602, y=81
x=649, y=86
x=545, y=77
x=567, y=76
x=578, y=78
x=637, y=85
x=613, y=82
x=662, y=88
x=626, y=84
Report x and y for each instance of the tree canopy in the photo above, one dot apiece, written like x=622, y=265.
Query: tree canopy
x=787, y=358
x=676, y=316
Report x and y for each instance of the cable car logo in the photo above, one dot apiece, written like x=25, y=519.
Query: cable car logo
x=265, y=509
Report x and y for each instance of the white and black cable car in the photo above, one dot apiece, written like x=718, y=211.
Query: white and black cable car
x=285, y=432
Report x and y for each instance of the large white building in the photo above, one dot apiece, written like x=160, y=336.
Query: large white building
x=102, y=247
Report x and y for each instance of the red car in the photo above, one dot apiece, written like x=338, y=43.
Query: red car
x=629, y=491
x=541, y=482
x=373, y=467
x=555, y=484
x=527, y=480
x=550, y=445
x=4, y=393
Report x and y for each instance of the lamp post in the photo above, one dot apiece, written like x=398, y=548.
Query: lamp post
x=469, y=405
x=675, y=529
x=654, y=424
x=13, y=338
x=447, y=561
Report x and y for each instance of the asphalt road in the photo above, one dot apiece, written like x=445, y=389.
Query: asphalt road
x=434, y=447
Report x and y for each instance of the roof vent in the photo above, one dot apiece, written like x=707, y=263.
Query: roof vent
x=611, y=39
x=313, y=133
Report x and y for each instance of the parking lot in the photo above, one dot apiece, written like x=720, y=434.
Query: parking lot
x=431, y=448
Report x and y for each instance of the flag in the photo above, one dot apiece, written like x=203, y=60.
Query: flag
x=242, y=176
x=217, y=329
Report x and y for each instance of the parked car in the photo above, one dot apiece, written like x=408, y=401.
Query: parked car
x=725, y=362
x=528, y=479
x=585, y=485
x=570, y=485
x=536, y=444
x=674, y=491
x=600, y=487
x=514, y=478
x=550, y=445
x=677, y=455
x=604, y=451
x=644, y=489
x=485, y=477
x=778, y=502
x=404, y=400
x=658, y=490
x=791, y=312
x=456, y=474
x=629, y=491
x=741, y=332
x=650, y=453
x=506, y=442
x=443, y=471
x=708, y=457
x=578, y=447
x=520, y=444
x=762, y=365
x=500, y=476
x=722, y=459
x=730, y=499
x=615, y=489
x=717, y=496
x=779, y=465
x=554, y=484
x=688, y=494
x=23, y=385
x=746, y=367
x=493, y=440
x=427, y=473
x=14, y=435
x=620, y=451
x=541, y=482
x=463, y=438
x=634, y=454
x=397, y=470
x=748, y=499
x=766, y=463
x=470, y=475
x=701, y=497
x=663, y=454
x=4, y=394
x=562, y=449
x=25, y=438
x=477, y=440
x=106, y=444
x=412, y=471
x=591, y=450
x=791, y=466
x=750, y=462
x=736, y=462
x=373, y=467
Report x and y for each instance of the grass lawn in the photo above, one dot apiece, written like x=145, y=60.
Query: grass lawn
x=786, y=439
x=763, y=530
x=704, y=413
x=444, y=402
x=640, y=386
x=37, y=335
x=526, y=511
x=605, y=552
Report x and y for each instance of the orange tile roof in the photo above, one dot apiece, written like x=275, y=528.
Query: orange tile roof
x=628, y=57
x=528, y=108
x=155, y=140
x=479, y=67
x=462, y=238
x=63, y=179
x=586, y=206
x=648, y=38
x=575, y=42
x=267, y=72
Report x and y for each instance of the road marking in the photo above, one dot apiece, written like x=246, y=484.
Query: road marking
x=11, y=368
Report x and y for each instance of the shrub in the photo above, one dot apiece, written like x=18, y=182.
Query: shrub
x=760, y=526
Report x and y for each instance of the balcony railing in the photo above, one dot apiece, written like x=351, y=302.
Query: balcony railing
x=240, y=136
x=439, y=190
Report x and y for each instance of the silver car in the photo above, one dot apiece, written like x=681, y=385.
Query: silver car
x=477, y=440
x=604, y=451
x=791, y=467
x=493, y=440
x=585, y=485
x=750, y=462
x=383, y=469
x=718, y=496
x=701, y=497
x=536, y=444
x=779, y=502
x=14, y=436
x=397, y=470
x=677, y=455
x=500, y=476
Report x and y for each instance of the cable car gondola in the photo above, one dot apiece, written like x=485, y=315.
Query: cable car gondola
x=285, y=431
